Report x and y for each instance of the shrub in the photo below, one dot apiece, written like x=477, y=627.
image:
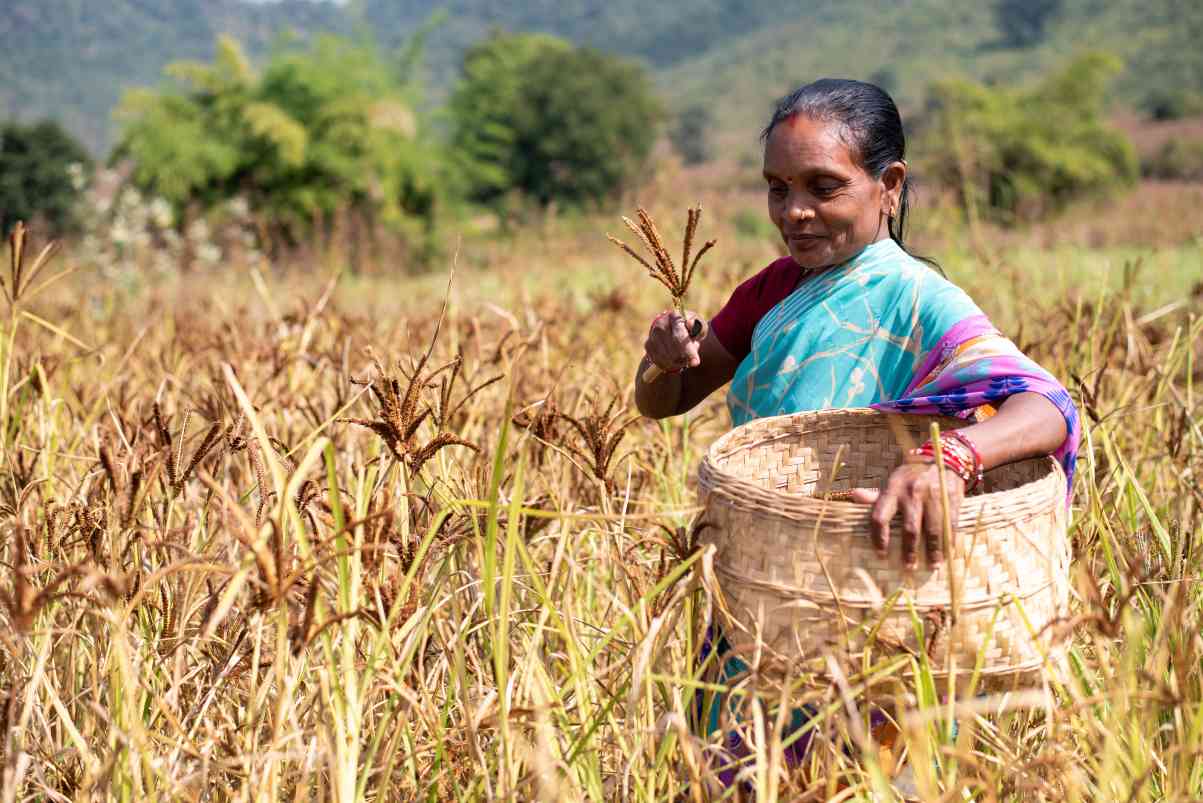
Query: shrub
x=326, y=129
x=556, y=123
x=754, y=225
x=42, y=170
x=1022, y=152
x=1173, y=104
x=1178, y=160
x=692, y=134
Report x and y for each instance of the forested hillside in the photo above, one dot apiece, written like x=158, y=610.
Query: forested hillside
x=71, y=59
x=660, y=33
x=905, y=46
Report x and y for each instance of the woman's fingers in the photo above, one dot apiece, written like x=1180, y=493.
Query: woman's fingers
x=659, y=345
x=865, y=496
x=662, y=354
x=912, y=524
x=671, y=343
x=686, y=345
x=879, y=520
x=934, y=512
x=933, y=527
x=913, y=492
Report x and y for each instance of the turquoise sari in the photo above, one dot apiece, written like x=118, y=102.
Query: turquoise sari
x=852, y=336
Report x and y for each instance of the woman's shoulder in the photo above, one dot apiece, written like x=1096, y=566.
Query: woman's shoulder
x=939, y=302
x=779, y=277
x=750, y=301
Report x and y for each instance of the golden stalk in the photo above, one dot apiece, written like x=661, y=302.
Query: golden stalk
x=661, y=267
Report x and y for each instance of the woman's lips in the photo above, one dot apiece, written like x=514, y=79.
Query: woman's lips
x=805, y=239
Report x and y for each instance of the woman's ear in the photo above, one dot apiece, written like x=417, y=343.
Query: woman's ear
x=892, y=180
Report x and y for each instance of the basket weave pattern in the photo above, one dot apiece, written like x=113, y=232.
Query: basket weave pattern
x=800, y=577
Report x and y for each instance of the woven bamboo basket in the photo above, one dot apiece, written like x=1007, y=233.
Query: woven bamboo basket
x=799, y=579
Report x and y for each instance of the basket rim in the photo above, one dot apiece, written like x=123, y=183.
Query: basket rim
x=1023, y=501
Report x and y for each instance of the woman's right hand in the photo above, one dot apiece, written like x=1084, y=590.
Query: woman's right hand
x=673, y=343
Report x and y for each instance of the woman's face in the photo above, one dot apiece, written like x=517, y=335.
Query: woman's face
x=825, y=205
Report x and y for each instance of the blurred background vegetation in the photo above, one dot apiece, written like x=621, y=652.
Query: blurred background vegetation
x=230, y=126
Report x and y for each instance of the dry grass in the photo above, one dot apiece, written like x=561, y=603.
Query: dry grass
x=300, y=544
x=1150, y=135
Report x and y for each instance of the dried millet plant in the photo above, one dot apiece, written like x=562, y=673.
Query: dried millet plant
x=399, y=418
x=600, y=433
x=21, y=277
x=661, y=268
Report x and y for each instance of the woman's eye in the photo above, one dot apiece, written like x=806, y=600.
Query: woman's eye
x=777, y=190
x=826, y=190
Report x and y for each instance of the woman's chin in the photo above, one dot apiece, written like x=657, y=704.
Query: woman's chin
x=811, y=258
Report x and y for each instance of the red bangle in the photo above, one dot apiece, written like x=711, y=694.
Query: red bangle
x=979, y=469
x=956, y=456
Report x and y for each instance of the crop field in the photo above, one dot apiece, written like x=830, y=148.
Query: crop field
x=282, y=534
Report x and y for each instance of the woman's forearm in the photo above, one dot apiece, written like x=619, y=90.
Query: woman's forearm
x=1026, y=425
x=659, y=399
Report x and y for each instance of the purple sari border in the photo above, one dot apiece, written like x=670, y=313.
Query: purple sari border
x=962, y=330
x=987, y=373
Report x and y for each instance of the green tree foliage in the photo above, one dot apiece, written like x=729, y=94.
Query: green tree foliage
x=69, y=58
x=324, y=129
x=556, y=123
x=42, y=169
x=1022, y=22
x=660, y=33
x=692, y=134
x=1021, y=152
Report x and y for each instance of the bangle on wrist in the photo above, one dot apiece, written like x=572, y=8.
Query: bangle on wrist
x=958, y=454
x=979, y=469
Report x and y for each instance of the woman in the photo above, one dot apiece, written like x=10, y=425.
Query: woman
x=850, y=319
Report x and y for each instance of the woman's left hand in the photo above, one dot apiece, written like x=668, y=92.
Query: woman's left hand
x=913, y=491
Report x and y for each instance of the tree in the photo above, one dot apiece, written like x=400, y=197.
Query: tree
x=532, y=113
x=885, y=77
x=42, y=169
x=693, y=134
x=1022, y=22
x=325, y=129
x=1172, y=103
x=1022, y=152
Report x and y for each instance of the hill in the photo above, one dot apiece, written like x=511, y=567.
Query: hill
x=905, y=46
x=71, y=59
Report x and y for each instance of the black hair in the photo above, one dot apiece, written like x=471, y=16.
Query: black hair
x=871, y=123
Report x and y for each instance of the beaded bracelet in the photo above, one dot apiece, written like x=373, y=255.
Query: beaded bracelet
x=951, y=462
x=978, y=467
x=959, y=456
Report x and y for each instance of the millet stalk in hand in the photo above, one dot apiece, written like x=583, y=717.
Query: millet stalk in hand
x=663, y=270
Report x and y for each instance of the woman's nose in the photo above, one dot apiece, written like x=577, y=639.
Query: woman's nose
x=798, y=212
